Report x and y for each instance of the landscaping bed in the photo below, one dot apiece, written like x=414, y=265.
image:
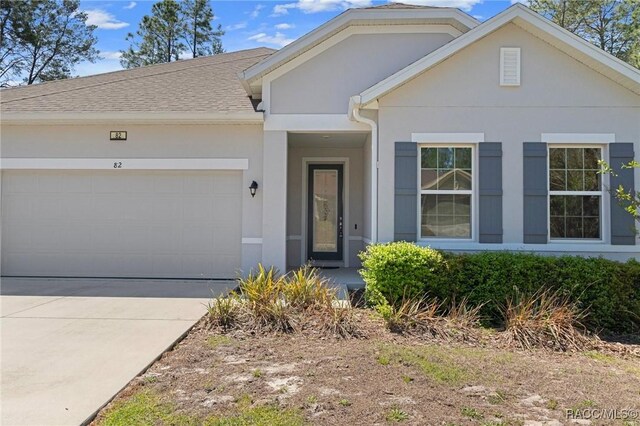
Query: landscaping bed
x=241, y=377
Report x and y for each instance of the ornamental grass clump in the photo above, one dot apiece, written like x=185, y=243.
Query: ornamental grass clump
x=298, y=301
x=430, y=318
x=304, y=288
x=545, y=319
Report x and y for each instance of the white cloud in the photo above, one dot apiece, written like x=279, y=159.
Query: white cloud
x=284, y=26
x=525, y=2
x=465, y=5
x=110, y=55
x=278, y=39
x=87, y=68
x=104, y=20
x=131, y=5
x=315, y=6
x=238, y=26
x=256, y=11
x=282, y=9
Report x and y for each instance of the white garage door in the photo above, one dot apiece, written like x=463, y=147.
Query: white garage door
x=155, y=224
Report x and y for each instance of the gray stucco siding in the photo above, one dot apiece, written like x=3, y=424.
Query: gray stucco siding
x=324, y=84
x=462, y=95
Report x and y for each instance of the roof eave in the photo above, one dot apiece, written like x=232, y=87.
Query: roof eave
x=17, y=118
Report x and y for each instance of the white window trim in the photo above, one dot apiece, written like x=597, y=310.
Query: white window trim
x=447, y=138
x=604, y=206
x=473, y=192
x=578, y=138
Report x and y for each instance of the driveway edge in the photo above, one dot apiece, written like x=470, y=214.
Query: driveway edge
x=180, y=338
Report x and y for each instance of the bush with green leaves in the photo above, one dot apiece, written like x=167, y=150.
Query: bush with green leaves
x=608, y=291
x=399, y=271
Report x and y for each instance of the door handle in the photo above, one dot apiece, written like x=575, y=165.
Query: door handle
x=340, y=227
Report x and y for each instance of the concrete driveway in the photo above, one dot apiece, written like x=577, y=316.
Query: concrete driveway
x=69, y=345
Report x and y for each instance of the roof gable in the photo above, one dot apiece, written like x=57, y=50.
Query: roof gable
x=583, y=51
x=396, y=14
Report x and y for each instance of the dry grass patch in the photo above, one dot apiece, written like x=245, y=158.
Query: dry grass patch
x=428, y=318
x=546, y=320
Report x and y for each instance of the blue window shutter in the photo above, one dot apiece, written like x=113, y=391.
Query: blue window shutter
x=622, y=223
x=535, y=193
x=490, y=192
x=406, y=192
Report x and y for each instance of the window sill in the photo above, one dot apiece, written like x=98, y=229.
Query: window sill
x=551, y=247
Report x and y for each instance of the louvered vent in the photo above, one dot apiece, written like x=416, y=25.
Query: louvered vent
x=510, y=66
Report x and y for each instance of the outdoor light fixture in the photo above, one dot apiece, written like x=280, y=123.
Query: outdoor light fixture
x=252, y=188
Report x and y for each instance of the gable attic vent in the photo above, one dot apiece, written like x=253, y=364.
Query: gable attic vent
x=509, y=66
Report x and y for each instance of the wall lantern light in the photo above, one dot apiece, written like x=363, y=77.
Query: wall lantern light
x=252, y=188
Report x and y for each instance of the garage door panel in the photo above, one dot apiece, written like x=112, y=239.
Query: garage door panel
x=225, y=208
x=165, y=240
x=20, y=182
x=77, y=237
x=110, y=182
x=142, y=185
x=171, y=206
x=50, y=204
x=122, y=223
x=49, y=183
x=169, y=183
x=197, y=183
x=223, y=241
x=74, y=183
x=105, y=207
x=167, y=265
x=196, y=240
x=225, y=183
x=197, y=208
x=19, y=239
x=17, y=206
x=78, y=209
x=46, y=236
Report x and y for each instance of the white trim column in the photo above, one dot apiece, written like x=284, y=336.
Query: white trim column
x=274, y=215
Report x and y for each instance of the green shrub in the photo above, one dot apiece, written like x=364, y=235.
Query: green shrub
x=608, y=291
x=399, y=271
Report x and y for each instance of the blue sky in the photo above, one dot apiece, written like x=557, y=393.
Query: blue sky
x=247, y=23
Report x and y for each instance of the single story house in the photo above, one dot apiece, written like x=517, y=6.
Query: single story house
x=386, y=123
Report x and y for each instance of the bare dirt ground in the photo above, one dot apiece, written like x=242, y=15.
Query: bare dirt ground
x=379, y=379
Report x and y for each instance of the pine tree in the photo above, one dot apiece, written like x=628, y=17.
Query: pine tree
x=201, y=38
x=170, y=31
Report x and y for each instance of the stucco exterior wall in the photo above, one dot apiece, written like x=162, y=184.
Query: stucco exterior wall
x=154, y=141
x=357, y=209
x=324, y=84
x=463, y=95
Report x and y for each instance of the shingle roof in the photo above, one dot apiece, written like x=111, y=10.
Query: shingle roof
x=398, y=5
x=205, y=84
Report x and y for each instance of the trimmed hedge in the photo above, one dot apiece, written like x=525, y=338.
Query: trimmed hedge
x=399, y=271
x=609, y=291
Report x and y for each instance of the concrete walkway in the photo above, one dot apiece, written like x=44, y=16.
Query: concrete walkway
x=69, y=345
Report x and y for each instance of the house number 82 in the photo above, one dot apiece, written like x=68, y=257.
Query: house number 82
x=117, y=165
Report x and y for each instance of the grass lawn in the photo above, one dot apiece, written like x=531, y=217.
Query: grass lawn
x=244, y=378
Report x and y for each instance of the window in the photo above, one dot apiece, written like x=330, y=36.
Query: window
x=446, y=184
x=575, y=193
